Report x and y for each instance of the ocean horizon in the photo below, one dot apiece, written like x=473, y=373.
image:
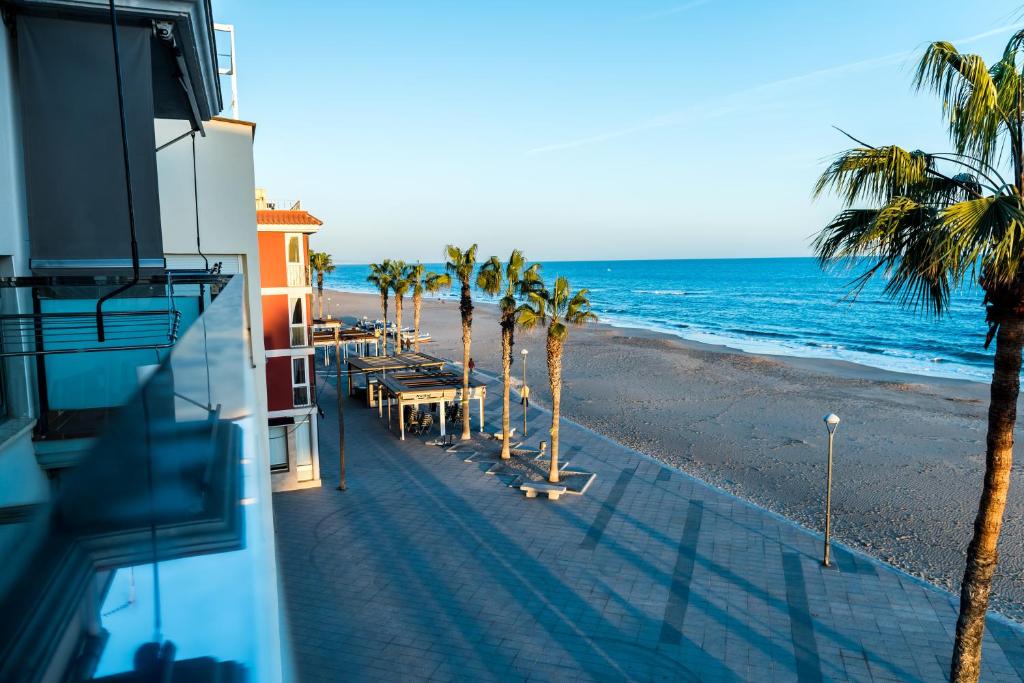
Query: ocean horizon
x=786, y=305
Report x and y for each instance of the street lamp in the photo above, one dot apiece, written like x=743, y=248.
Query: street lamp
x=831, y=422
x=525, y=392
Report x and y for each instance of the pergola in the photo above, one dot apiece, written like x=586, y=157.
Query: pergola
x=425, y=388
x=369, y=365
x=323, y=335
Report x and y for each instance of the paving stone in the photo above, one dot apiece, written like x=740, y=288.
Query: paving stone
x=427, y=568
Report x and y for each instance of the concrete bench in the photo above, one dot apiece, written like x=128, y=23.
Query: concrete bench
x=532, y=488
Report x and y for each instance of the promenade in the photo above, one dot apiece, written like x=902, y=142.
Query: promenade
x=428, y=568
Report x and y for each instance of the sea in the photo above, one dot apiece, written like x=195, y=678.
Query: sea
x=787, y=306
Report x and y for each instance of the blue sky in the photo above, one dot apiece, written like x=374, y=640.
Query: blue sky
x=582, y=129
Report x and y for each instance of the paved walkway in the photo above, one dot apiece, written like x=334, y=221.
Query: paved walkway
x=427, y=568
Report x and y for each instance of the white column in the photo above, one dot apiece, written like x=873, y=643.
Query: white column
x=444, y=409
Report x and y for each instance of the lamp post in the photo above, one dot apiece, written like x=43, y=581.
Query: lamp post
x=525, y=392
x=342, y=484
x=831, y=422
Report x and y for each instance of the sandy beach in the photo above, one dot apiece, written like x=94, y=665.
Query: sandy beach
x=909, y=451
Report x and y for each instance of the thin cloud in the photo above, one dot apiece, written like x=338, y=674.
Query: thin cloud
x=679, y=9
x=707, y=109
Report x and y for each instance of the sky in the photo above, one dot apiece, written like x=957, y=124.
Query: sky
x=582, y=129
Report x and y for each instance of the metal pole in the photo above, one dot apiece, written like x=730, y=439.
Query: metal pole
x=342, y=486
x=828, y=499
x=524, y=397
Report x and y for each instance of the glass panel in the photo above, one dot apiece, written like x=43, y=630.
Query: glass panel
x=296, y=306
x=279, y=448
x=293, y=249
x=300, y=396
x=299, y=370
x=298, y=336
x=164, y=528
x=303, y=450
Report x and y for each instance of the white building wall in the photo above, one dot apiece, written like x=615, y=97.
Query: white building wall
x=227, y=233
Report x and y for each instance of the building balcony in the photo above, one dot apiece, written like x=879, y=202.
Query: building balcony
x=298, y=275
x=154, y=560
x=52, y=325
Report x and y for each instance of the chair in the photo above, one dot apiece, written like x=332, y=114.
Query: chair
x=424, y=424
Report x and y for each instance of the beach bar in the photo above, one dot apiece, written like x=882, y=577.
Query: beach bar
x=370, y=365
x=426, y=388
x=323, y=335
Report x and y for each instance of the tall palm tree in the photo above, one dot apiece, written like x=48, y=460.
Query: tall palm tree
x=321, y=262
x=380, y=277
x=511, y=280
x=931, y=221
x=400, y=286
x=460, y=264
x=423, y=281
x=560, y=309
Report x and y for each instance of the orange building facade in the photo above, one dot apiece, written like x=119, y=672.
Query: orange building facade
x=291, y=374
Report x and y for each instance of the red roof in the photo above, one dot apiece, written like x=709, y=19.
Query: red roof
x=274, y=217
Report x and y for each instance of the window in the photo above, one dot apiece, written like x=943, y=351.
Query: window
x=296, y=261
x=279, y=448
x=303, y=449
x=297, y=321
x=300, y=382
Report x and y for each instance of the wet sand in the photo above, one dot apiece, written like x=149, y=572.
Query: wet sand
x=909, y=453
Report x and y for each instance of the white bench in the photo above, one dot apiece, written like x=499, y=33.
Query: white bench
x=532, y=488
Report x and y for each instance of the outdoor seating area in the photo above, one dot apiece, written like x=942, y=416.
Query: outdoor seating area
x=435, y=389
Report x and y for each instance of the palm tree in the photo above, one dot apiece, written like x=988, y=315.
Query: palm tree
x=931, y=221
x=400, y=286
x=423, y=281
x=380, y=277
x=321, y=262
x=512, y=280
x=559, y=309
x=460, y=264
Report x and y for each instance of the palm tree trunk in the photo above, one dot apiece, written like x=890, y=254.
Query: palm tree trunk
x=398, y=325
x=982, y=555
x=554, y=349
x=506, y=379
x=320, y=290
x=466, y=307
x=417, y=299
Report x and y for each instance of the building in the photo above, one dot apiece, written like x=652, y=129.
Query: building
x=134, y=468
x=287, y=316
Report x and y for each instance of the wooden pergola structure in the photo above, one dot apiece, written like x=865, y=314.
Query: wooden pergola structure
x=323, y=335
x=425, y=388
x=382, y=365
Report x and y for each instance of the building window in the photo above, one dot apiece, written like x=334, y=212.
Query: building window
x=297, y=321
x=296, y=262
x=303, y=450
x=279, y=448
x=300, y=382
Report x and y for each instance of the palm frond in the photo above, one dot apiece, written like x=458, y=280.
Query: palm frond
x=488, y=277
x=988, y=233
x=969, y=95
x=874, y=174
x=435, y=282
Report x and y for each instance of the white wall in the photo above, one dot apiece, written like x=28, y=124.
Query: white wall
x=227, y=226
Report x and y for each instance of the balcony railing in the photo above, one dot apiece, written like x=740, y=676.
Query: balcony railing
x=298, y=275
x=156, y=555
x=82, y=380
